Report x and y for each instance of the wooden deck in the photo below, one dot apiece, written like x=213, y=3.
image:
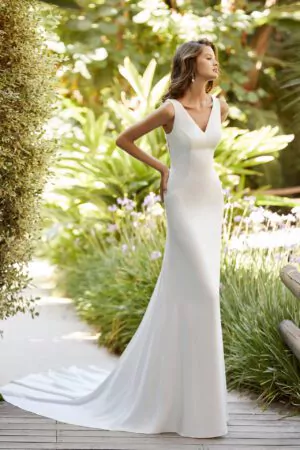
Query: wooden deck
x=249, y=428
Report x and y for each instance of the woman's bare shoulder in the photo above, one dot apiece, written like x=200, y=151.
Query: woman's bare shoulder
x=161, y=116
x=168, y=108
x=223, y=102
x=224, y=107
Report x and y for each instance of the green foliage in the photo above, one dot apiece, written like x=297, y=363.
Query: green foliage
x=239, y=154
x=286, y=90
x=91, y=168
x=260, y=69
x=111, y=279
x=26, y=96
x=254, y=302
x=93, y=171
x=63, y=3
x=98, y=40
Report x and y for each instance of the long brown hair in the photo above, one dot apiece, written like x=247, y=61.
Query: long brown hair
x=183, y=67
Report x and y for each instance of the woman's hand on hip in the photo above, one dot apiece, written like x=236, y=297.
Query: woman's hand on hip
x=163, y=182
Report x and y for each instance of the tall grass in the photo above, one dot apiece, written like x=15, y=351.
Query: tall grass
x=253, y=303
x=111, y=287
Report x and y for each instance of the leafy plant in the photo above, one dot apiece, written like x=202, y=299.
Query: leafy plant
x=26, y=97
x=91, y=169
x=63, y=3
x=239, y=154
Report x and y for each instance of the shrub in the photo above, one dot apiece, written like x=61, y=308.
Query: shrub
x=26, y=96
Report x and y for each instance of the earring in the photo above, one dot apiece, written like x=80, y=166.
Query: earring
x=193, y=79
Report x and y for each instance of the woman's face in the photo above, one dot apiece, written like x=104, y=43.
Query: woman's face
x=206, y=64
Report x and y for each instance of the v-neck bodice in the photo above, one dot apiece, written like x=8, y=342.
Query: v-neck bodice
x=186, y=133
x=192, y=149
x=209, y=118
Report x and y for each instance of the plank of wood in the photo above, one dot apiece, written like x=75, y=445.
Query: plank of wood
x=265, y=426
x=187, y=441
x=250, y=427
x=28, y=426
x=240, y=434
x=233, y=420
x=263, y=417
x=4, y=420
x=25, y=432
x=145, y=446
x=242, y=407
x=28, y=438
x=281, y=191
x=232, y=437
x=240, y=403
x=290, y=333
x=290, y=276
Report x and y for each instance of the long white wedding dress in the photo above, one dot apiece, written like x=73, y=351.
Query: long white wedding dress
x=171, y=376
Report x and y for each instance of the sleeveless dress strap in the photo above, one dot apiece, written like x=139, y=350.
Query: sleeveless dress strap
x=177, y=112
x=181, y=114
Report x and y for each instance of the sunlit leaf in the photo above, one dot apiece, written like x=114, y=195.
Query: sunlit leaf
x=69, y=4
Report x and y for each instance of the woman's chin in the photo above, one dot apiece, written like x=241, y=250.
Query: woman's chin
x=213, y=77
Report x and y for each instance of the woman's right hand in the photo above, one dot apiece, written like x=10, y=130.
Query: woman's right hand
x=163, y=182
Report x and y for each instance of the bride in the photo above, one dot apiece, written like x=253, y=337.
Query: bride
x=171, y=376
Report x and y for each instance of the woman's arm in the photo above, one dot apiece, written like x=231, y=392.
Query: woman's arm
x=126, y=139
x=161, y=116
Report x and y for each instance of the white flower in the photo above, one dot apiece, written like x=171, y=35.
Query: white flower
x=290, y=218
x=112, y=227
x=136, y=214
x=256, y=216
x=156, y=210
x=295, y=259
x=296, y=211
x=250, y=198
x=126, y=202
x=226, y=191
x=237, y=218
x=276, y=218
x=130, y=204
x=151, y=199
x=155, y=255
x=268, y=214
x=122, y=201
x=235, y=243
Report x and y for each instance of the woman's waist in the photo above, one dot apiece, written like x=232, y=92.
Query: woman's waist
x=193, y=172
x=193, y=179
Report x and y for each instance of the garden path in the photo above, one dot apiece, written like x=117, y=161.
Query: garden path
x=53, y=339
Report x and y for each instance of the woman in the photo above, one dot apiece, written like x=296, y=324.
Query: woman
x=171, y=376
